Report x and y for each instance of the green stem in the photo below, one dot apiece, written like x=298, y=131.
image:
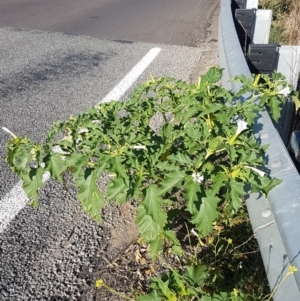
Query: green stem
x=209, y=153
x=277, y=286
x=254, y=97
x=117, y=293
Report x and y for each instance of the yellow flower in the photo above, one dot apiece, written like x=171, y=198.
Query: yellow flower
x=229, y=240
x=235, y=292
x=210, y=240
x=292, y=269
x=235, y=173
x=99, y=283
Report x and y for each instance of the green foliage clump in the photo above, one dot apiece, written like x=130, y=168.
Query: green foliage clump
x=181, y=151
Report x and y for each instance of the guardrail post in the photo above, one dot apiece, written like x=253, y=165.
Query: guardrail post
x=262, y=26
x=252, y=4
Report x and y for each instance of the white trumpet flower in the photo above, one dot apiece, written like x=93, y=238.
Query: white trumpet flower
x=242, y=125
x=260, y=172
x=9, y=132
x=197, y=178
x=286, y=91
x=58, y=150
x=139, y=147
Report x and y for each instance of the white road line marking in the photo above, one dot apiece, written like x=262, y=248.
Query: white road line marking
x=15, y=200
x=11, y=204
x=119, y=90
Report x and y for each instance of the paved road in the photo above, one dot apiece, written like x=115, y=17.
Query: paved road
x=157, y=21
x=53, y=253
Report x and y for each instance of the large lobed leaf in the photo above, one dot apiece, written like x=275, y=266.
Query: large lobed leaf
x=150, y=216
x=31, y=184
x=89, y=194
x=207, y=213
x=171, y=180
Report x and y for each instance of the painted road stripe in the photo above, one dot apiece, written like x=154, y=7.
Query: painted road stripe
x=16, y=199
x=119, y=90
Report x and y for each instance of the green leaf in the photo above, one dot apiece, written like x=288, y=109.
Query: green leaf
x=120, y=170
x=76, y=162
x=251, y=158
x=274, y=105
x=233, y=152
x=171, y=181
x=167, y=130
x=180, y=158
x=225, y=296
x=19, y=154
x=150, y=216
x=117, y=190
x=192, y=131
x=73, y=159
x=89, y=195
x=177, y=283
x=215, y=297
x=19, y=161
x=157, y=283
x=101, y=165
x=211, y=108
x=147, y=226
x=153, y=296
x=268, y=184
x=184, y=115
x=31, y=184
x=196, y=273
x=55, y=165
x=172, y=237
x=177, y=250
x=213, y=75
x=192, y=195
x=155, y=247
x=236, y=192
x=164, y=165
x=218, y=181
x=296, y=101
x=207, y=214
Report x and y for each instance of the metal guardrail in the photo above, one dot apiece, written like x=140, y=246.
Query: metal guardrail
x=275, y=220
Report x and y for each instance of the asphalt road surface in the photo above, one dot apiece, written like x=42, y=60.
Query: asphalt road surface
x=156, y=21
x=58, y=58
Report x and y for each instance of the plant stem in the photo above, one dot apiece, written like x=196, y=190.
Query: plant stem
x=278, y=285
x=117, y=293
